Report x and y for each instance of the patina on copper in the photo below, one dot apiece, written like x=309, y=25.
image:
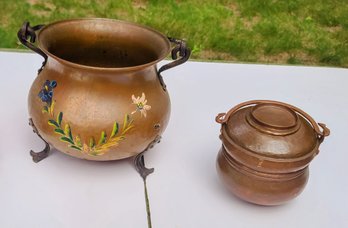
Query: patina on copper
x=267, y=148
x=98, y=94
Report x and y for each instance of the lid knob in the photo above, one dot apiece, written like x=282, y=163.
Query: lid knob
x=274, y=119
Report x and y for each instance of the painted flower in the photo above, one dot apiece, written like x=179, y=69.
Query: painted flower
x=141, y=106
x=46, y=93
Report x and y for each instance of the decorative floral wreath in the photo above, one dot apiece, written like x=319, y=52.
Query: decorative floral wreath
x=92, y=147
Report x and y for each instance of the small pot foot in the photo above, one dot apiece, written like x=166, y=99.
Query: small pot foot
x=38, y=156
x=139, y=162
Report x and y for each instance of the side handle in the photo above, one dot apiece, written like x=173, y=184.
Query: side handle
x=184, y=53
x=27, y=36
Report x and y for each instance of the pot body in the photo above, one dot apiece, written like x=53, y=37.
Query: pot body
x=98, y=94
x=259, y=187
x=97, y=115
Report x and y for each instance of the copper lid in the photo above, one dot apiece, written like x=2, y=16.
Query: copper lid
x=272, y=129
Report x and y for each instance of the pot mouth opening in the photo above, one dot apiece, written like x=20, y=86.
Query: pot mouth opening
x=103, y=43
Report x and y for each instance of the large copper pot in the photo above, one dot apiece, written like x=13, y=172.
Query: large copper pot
x=266, y=151
x=98, y=94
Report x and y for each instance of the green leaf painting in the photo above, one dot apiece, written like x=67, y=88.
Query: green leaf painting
x=60, y=118
x=59, y=131
x=102, y=139
x=67, y=131
x=75, y=147
x=114, y=130
x=104, y=143
x=53, y=123
x=45, y=109
x=66, y=139
x=91, y=142
x=78, y=141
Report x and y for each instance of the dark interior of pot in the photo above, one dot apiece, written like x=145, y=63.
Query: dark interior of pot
x=103, y=43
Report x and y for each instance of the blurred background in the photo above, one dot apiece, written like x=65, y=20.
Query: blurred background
x=301, y=32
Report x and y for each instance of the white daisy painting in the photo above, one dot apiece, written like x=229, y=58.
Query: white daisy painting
x=141, y=105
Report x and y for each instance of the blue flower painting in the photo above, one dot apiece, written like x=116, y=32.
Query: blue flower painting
x=46, y=93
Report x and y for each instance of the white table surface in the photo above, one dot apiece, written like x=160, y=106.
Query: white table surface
x=184, y=190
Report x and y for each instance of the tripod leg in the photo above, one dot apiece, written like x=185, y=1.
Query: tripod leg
x=38, y=156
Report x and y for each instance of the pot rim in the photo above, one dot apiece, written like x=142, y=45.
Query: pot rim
x=81, y=66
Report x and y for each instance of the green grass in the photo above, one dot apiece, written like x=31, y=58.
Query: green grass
x=305, y=32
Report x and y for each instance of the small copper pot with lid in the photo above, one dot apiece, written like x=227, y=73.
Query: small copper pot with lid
x=267, y=147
